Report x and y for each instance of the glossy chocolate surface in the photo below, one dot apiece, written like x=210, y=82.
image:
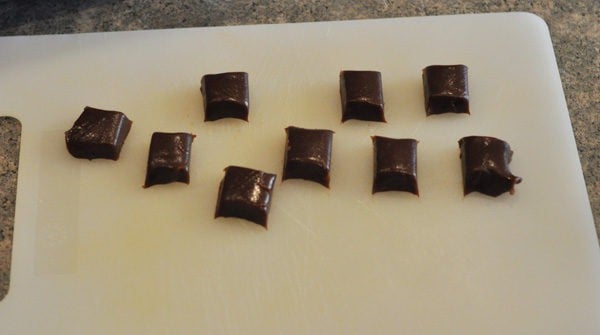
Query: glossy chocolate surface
x=485, y=165
x=308, y=154
x=169, y=158
x=395, y=165
x=246, y=194
x=362, y=96
x=226, y=95
x=446, y=89
x=98, y=133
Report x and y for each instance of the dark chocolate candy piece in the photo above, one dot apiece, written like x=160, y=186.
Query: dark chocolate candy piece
x=169, y=158
x=98, y=134
x=225, y=95
x=362, y=96
x=446, y=89
x=395, y=165
x=245, y=193
x=308, y=154
x=485, y=165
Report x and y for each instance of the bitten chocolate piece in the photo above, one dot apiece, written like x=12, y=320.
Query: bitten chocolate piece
x=98, y=133
x=446, y=89
x=169, y=158
x=225, y=95
x=485, y=165
x=308, y=154
x=245, y=193
x=395, y=165
x=362, y=96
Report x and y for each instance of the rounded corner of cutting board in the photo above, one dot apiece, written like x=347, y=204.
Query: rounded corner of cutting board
x=532, y=19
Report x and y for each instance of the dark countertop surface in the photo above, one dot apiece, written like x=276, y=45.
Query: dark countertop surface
x=574, y=27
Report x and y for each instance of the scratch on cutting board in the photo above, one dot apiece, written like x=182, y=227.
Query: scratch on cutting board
x=416, y=128
x=328, y=32
x=371, y=210
x=298, y=222
x=286, y=101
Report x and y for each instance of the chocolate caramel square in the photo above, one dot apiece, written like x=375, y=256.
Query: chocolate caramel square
x=395, y=165
x=246, y=194
x=484, y=161
x=98, y=133
x=226, y=95
x=446, y=89
x=169, y=158
x=308, y=155
x=362, y=96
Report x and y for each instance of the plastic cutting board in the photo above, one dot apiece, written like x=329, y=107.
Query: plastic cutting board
x=95, y=253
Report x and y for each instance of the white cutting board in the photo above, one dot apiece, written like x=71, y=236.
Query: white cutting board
x=95, y=253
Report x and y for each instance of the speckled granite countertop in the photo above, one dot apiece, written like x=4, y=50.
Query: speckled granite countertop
x=574, y=26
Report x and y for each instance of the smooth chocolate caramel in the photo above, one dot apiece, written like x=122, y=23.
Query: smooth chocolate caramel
x=245, y=193
x=226, y=95
x=395, y=165
x=98, y=133
x=362, y=96
x=308, y=154
x=485, y=165
x=446, y=89
x=169, y=158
